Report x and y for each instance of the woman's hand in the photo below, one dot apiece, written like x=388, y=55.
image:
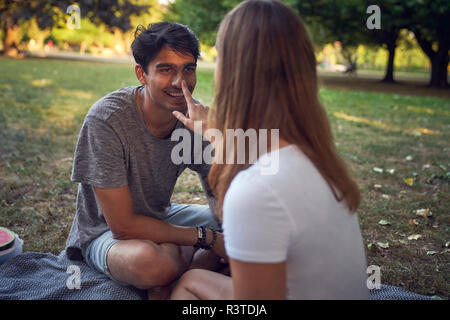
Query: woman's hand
x=196, y=112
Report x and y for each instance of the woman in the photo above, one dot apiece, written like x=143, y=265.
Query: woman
x=292, y=234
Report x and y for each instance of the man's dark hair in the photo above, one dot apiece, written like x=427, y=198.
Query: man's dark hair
x=149, y=41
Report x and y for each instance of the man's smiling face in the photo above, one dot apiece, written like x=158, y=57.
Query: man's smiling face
x=164, y=76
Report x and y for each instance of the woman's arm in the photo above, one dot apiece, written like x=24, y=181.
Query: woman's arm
x=249, y=281
x=258, y=281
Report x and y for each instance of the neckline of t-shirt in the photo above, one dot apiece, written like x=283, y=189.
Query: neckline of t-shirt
x=141, y=122
x=283, y=149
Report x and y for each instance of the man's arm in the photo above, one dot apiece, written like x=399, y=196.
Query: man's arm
x=117, y=207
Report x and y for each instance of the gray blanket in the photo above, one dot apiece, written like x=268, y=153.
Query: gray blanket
x=44, y=276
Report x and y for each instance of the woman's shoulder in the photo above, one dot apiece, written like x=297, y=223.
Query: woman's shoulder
x=267, y=174
x=287, y=174
x=280, y=165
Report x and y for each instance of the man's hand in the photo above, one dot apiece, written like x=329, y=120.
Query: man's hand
x=196, y=112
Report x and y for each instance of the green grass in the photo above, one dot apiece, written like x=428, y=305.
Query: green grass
x=43, y=103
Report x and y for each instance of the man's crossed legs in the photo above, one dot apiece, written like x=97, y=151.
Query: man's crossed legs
x=145, y=264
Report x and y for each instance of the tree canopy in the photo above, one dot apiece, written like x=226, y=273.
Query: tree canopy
x=202, y=16
x=48, y=13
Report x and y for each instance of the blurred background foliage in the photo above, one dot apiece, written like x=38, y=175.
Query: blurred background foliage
x=413, y=34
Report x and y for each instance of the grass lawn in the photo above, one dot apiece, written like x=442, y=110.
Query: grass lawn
x=397, y=145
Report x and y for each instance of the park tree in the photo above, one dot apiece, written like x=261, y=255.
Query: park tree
x=202, y=16
x=13, y=12
x=48, y=13
x=339, y=20
x=428, y=20
x=345, y=21
x=394, y=16
x=431, y=27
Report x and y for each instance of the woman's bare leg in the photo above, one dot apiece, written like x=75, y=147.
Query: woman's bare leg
x=199, y=284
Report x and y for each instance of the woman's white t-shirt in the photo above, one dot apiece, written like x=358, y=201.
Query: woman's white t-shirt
x=290, y=214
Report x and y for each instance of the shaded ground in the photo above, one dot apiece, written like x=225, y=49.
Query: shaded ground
x=407, y=84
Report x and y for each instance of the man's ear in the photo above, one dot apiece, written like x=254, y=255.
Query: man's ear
x=140, y=74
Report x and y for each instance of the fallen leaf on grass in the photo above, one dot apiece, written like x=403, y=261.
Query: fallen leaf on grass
x=408, y=158
x=413, y=222
x=430, y=253
x=379, y=170
x=384, y=222
x=423, y=213
x=414, y=237
x=391, y=171
x=386, y=196
x=383, y=245
x=409, y=181
x=377, y=186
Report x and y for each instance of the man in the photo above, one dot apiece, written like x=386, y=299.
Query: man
x=125, y=225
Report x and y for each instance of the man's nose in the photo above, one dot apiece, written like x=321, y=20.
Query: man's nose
x=177, y=79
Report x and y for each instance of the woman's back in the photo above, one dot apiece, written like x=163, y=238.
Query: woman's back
x=293, y=216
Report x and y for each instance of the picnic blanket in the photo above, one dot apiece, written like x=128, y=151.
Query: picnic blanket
x=44, y=276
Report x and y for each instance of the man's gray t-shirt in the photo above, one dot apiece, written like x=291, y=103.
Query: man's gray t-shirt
x=115, y=149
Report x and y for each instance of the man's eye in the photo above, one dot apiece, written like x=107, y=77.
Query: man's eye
x=164, y=70
x=190, y=69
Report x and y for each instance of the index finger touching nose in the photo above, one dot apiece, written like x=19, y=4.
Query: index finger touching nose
x=187, y=93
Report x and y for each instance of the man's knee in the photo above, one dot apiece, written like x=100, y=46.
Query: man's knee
x=149, y=264
x=155, y=267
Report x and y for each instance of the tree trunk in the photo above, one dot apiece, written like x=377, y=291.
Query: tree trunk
x=389, y=76
x=10, y=40
x=391, y=42
x=439, y=60
x=439, y=71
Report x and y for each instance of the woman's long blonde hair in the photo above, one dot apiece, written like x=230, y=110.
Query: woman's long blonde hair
x=266, y=79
